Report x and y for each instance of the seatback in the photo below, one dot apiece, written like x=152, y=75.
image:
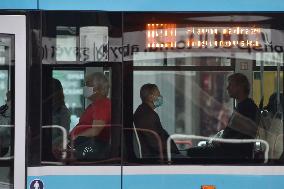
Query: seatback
x=136, y=143
x=271, y=130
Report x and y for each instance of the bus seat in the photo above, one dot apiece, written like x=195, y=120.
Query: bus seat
x=136, y=143
x=278, y=146
x=58, y=149
x=270, y=130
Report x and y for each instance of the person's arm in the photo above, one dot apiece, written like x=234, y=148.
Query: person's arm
x=96, y=129
x=148, y=138
x=65, y=119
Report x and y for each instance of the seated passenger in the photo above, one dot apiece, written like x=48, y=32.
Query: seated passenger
x=60, y=113
x=52, y=141
x=272, y=104
x=92, y=128
x=242, y=125
x=6, y=111
x=272, y=126
x=5, y=119
x=146, y=118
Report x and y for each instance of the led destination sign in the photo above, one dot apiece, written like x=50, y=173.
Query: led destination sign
x=170, y=36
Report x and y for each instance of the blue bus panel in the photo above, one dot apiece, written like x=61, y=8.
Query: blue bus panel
x=159, y=181
x=145, y=5
x=18, y=4
x=75, y=181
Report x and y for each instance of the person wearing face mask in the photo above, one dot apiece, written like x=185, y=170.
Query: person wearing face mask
x=146, y=118
x=96, y=118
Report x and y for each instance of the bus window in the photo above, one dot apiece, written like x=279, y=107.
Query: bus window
x=204, y=71
x=194, y=101
x=3, y=85
x=80, y=89
x=79, y=102
x=269, y=84
x=7, y=108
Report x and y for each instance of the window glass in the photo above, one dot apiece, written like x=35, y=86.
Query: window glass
x=91, y=37
x=269, y=85
x=3, y=85
x=7, y=108
x=66, y=43
x=194, y=102
x=72, y=82
x=81, y=88
x=80, y=103
x=199, y=76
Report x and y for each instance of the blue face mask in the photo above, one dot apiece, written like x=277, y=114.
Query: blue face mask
x=158, y=102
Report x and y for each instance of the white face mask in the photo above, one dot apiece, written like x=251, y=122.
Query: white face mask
x=88, y=91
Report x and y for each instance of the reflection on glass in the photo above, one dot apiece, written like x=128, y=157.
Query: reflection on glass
x=72, y=82
x=6, y=110
x=178, y=59
x=6, y=52
x=269, y=59
x=269, y=84
x=171, y=36
x=94, y=43
x=66, y=43
x=3, y=85
x=194, y=102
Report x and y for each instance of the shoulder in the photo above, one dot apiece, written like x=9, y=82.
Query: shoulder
x=143, y=108
x=248, y=108
x=64, y=110
x=247, y=104
x=106, y=102
x=145, y=112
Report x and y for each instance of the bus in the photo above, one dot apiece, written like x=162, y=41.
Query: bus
x=49, y=50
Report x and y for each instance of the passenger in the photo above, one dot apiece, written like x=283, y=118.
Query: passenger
x=60, y=113
x=60, y=116
x=6, y=111
x=272, y=104
x=5, y=119
x=146, y=118
x=242, y=125
x=272, y=126
x=94, y=122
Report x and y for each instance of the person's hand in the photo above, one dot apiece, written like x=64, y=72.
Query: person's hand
x=57, y=151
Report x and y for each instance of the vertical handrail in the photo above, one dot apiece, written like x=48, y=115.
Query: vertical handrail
x=279, y=106
x=261, y=81
x=64, y=136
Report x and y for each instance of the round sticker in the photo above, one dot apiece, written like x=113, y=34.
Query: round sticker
x=36, y=184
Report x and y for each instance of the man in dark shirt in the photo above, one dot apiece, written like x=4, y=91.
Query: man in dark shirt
x=146, y=118
x=242, y=125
